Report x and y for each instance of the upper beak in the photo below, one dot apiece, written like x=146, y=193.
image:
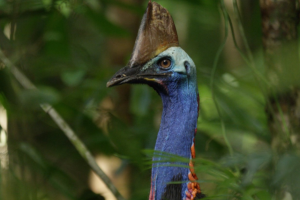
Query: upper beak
x=133, y=75
x=124, y=75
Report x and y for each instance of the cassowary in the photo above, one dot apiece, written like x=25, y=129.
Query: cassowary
x=157, y=60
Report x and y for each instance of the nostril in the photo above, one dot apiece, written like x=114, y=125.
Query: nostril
x=118, y=76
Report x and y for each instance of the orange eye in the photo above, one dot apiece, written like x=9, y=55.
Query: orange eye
x=165, y=63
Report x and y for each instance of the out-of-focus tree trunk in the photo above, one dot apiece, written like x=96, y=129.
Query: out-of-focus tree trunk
x=119, y=50
x=279, y=26
x=280, y=19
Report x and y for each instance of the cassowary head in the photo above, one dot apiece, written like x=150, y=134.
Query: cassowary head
x=157, y=59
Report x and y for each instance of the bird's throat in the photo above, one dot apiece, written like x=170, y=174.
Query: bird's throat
x=176, y=136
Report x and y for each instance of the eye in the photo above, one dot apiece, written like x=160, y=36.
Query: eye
x=164, y=63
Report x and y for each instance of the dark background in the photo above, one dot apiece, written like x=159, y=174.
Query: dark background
x=70, y=48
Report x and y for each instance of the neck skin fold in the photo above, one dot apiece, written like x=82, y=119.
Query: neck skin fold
x=175, y=136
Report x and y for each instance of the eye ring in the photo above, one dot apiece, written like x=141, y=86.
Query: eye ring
x=164, y=63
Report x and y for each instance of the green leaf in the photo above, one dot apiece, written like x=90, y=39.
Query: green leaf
x=73, y=78
x=104, y=25
x=36, y=97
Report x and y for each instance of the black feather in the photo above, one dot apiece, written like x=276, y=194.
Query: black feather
x=200, y=196
x=173, y=191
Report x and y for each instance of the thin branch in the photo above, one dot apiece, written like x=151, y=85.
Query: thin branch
x=79, y=145
x=24, y=14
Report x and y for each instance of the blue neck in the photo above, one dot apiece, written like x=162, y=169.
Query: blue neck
x=175, y=136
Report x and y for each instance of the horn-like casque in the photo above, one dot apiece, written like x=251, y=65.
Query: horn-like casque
x=156, y=34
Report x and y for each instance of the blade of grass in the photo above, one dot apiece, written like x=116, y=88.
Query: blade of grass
x=212, y=79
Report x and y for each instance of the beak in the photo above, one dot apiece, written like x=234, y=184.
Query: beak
x=124, y=75
x=134, y=75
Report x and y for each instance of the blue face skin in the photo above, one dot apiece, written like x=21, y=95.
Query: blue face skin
x=179, y=117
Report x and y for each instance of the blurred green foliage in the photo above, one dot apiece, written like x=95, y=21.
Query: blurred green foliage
x=63, y=46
